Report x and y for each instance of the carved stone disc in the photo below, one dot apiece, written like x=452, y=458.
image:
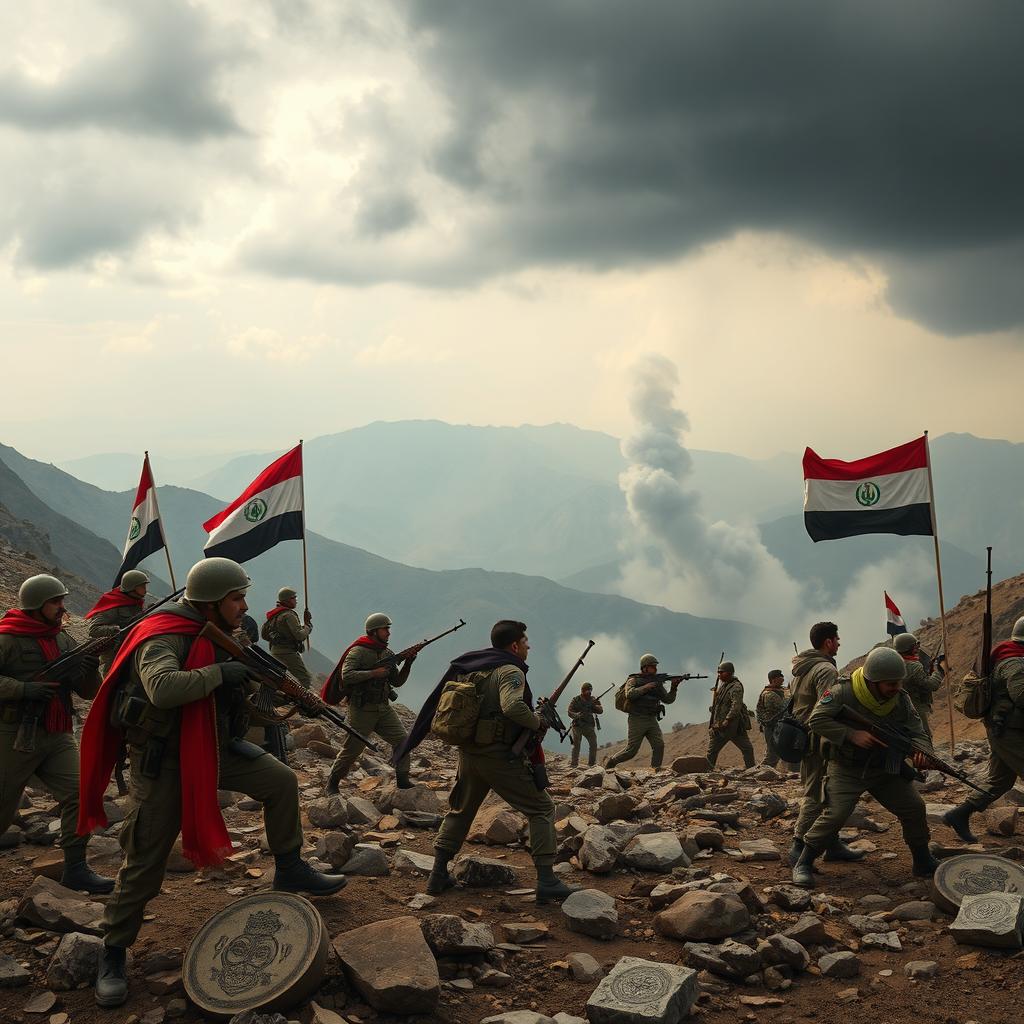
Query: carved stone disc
x=973, y=874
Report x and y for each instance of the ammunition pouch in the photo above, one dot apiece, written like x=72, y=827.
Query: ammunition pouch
x=491, y=730
x=152, y=757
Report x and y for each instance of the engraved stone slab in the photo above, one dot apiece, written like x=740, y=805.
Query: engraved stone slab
x=637, y=991
x=974, y=874
x=992, y=919
x=267, y=951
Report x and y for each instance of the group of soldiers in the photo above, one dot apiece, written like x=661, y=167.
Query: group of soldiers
x=178, y=703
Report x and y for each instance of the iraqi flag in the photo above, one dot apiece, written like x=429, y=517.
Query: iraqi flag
x=145, y=532
x=885, y=493
x=267, y=512
x=894, y=624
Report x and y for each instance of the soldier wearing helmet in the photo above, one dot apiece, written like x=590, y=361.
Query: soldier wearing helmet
x=115, y=609
x=646, y=696
x=1004, y=725
x=180, y=704
x=920, y=685
x=730, y=719
x=287, y=635
x=859, y=762
x=366, y=676
x=36, y=721
x=583, y=711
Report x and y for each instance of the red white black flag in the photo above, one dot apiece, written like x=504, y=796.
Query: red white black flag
x=894, y=624
x=145, y=533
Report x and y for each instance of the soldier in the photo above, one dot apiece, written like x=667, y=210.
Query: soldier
x=920, y=685
x=1004, y=725
x=369, y=687
x=287, y=636
x=859, y=762
x=769, y=706
x=814, y=671
x=730, y=720
x=36, y=735
x=115, y=609
x=583, y=710
x=645, y=699
x=488, y=764
x=179, y=701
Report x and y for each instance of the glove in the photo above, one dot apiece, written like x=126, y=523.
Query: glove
x=233, y=673
x=88, y=665
x=38, y=691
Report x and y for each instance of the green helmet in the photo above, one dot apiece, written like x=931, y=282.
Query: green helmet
x=587, y=686
x=648, y=659
x=378, y=620
x=213, y=579
x=727, y=666
x=884, y=664
x=1018, y=629
x=133, y=578
x=905, y=643
x=286, y=594
x=37, y=590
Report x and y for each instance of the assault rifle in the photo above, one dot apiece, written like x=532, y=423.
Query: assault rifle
x=274, y=675
x=410, y=652
x=664, y=677
x=902, y=745
x=714, y=696
x=597, y=700
x=986, y=623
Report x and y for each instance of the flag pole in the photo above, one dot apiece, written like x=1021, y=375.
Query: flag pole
x=942, y=603
x=160, y=520
x=305, y=562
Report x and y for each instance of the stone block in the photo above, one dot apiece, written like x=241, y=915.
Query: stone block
x=591, y=912
x=640, y=991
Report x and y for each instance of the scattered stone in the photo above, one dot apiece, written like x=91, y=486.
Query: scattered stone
x=762, y=1001
x=520, y=932
x=666, y=893
x=519, y=1017
x=992, y=919
x=600, y=851
x=888, y=941
x=638, y=991
x=690, y=765
x=12, y=974
x=843, y=964
x=728, y=960
x=809, y=930
x=415, y=801
x=1001, y=821
x=873, y=902
x=50, y=864
x=336, y=848
x=743, y=891
x=707, y=837
x=780, y=949
x=47, y=904
x=480, y=872
x=42, y=1002
x=412, y=863
x=656, y=851
x=758, y=849
x=74, y=962
x=614, y=806
x=583, y=967
x=591, y=912
x=449, y=935
x=421, y=901
x=699, y=916
x=362, y=812
x=789, y=897
x=864, y=925
x=497, y=825
x=327, y=812
x=914, y=910
x=768, y=805
x=848, y=995
x=921, y=969
x=302, y=734
x=367, y=859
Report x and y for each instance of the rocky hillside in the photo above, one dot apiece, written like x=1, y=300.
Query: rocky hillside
x=17, y=564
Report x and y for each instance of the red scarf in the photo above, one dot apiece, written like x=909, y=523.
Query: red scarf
x=331, y=691
x=57, y=717
x=1007, y=649
x=277, y=610
x=204, y=838
x=115, y=598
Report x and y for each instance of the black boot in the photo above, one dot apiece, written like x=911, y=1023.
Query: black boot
x=440, y=878
x=293, y=874
x=924, y=863
x=111, y=980
x=333, y=783
x=840, y=851
x=402, y=780
x=80, y=877
x=550, y=887
x=795, y=850
x=959, y=820
x=803, y=870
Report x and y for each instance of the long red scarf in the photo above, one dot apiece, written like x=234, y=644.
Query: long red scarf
x=115, y=598
x=57, y=717
x=204, y=837
x=331, y=692
x=277, y=610
x=1007, y=649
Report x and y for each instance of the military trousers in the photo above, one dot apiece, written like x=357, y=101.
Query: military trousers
x=772, y=757
x=844, y=786
x=1005, y=766
x=152, y=825
x=579, y=734
x=381, y=719
x=641, y=727
x=295, y=664
x=55, y=763
x=478, y=774
x=739, y=737
x=812, y=778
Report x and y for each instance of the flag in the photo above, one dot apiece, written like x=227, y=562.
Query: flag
x=145, y=532
x=894, y=624
x=884, y=493
x=267, y=512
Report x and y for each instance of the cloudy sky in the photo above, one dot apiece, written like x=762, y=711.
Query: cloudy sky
x=227, y=225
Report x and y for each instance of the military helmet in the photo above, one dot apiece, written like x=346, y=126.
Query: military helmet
x=776, y=673
x=213, y=579
x=37, y=590
x=727, y=666
x=133, y=578
x=286, y=594
x=587, y=686
x=378, y=620
x=884, y=664
x=648, y=659
x=905, y=643
x=1018, y=629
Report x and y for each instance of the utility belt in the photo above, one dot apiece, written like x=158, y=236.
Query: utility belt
x=496, y=730
x=286, y=645
x=359, y=697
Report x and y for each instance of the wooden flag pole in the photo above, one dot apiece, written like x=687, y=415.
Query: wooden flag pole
x=160, y=520
x=305, y=563
x=942, y=602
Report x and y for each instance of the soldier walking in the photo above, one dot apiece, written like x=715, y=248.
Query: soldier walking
x=583, y=711
x=769, y=706
x=730, y=720
x=115, y=609
x=646, y=697
x=920, y=685
x=287, y=636
x=36, y=718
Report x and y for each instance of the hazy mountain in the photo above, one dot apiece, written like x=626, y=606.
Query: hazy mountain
x=114, y=471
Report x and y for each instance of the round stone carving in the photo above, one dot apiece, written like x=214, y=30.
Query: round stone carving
x=641, y=985
x=265, y=952
x=985, y=910
x=974, y=874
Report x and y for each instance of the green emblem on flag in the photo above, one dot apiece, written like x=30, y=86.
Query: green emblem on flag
x=868, y=493
x=134, y=528
x=255, y=510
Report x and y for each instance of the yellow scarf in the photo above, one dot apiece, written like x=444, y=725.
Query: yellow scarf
x=881, y=708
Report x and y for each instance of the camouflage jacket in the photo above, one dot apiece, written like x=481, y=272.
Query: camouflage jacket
x=583, y=709
x=285, y=631
x=21, y=657
x=357, y=682
x=770, y=704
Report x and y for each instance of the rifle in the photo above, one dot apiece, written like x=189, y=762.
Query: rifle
x=597, y=700
x=273, y=675
x=714, y=695
x=986, y=623
x=664, y=677
x=394, y=659
x=902, y=745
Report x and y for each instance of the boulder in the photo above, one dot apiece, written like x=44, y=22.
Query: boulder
x=497, y=825
x=656, y=851
x=74, y=961
x=448, y=935
x=327, y=812
x=843, y=964
x=614, y=806
x=591, y=912
x=699, y=916
x=47, y=904
x=691, y=765
x=639, y=991
x=599, y=851
x=367, y=859
x=362, y=812
x=481, y=872
x=417, y=800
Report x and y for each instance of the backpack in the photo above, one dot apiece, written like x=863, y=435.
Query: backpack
x=792, y=738
x=622, y=696
x=972, y=696
x=457, y=714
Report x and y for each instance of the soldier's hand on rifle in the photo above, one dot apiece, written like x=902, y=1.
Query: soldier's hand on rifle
x=379, y=673
x=307, y=618
x=88, y=665
x=864, y=739
x=410, y=654
x=38, y=690
x=922, y=761
x=233, y=673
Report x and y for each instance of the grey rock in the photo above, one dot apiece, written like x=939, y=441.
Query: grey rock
x=659, y=851
x=519, y=1017
x=367, y=859
x=614, y=805
x=789, y=897
x=768, y=805
x=874, y=901
x=480, y=872
x=599, y=851
x=583, y=967
x=707, y=837
x=914, y=910
x=921, y=969
x=993, y=919
x=592, y=778
x=843, y=964
x=779, y=949
x=418, y=799
x=863, y=925
x=666, y=893
x=888, y=941
x=699, y=916
x=362, y=812
x=327, y=812
x=449, y=935
x=728, y=960
x=743, y=891
x=410, y=862
x=809, y=930
x=336, y=848
x=74, y=961
x=568, y=1018
x=639, y=991
x=47, y=904
x=591, y=912
x=12, y=974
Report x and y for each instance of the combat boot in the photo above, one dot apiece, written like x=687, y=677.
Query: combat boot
x=333, y=783
x=959, y=820
x=795, y=849
x=925, y=864
x=80, y=877
x=549, y=887
x=402, y=780
x=293, y=874
x=111, y=980
x=803, y=870
x=840, y=851
x=440, y=878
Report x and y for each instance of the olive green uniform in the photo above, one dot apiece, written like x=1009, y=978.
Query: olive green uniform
x=369, y=706
x=1004, y=724
x=287, y=637
x=769, y=706
x=485, y=765
x=813, y=674
x=156, y=680
x=55, y=758
x=853, y=771
x=920, y=687
x=644, y=711
x=108, y=623
x=730, y=722
x=583, y=712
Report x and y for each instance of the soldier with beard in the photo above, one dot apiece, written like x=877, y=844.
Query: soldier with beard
x=730, y=720
x=115, y=609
